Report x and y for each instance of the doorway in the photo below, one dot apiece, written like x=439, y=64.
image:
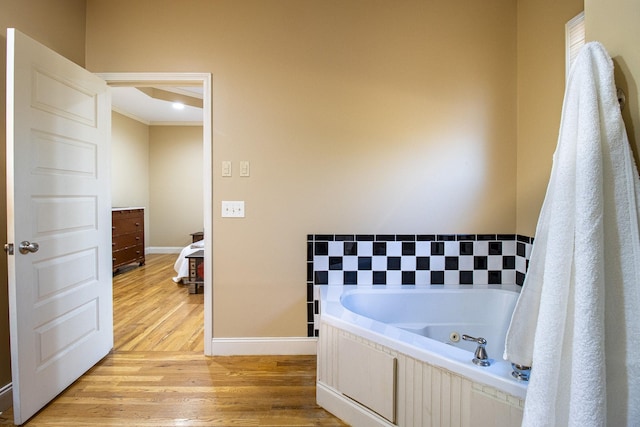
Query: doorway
x=204, y=81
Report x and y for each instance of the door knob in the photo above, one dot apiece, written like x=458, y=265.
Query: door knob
x=26, y=247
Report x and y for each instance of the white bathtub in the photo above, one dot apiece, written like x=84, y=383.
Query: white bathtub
x=413, y=328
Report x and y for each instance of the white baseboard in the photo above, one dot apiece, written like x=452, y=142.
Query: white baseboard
x=263, y=346
x=346, y=409
x=6, y=397
x=163, y=250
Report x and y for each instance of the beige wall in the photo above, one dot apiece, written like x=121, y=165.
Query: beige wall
x=357, y=117
x=159, y=168
x=541, y=80
x=130, y=162
x=59, y=25
x=615, y=23
x=541, y=84
x=175, y=184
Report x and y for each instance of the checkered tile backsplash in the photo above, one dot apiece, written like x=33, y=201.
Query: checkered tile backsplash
x=409, y=259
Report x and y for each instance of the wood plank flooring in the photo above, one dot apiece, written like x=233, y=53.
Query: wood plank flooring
x=153, y=313
x=157, y=374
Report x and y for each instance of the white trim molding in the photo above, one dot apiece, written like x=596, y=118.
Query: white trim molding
x=263, y=346
x=189, y=79
x=574, y=36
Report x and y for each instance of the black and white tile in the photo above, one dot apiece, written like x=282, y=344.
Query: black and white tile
x=420, y=260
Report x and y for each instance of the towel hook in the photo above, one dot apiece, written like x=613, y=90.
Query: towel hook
x=622, y=98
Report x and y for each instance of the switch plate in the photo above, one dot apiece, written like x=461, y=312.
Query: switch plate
x=226, y=168
x=244, y=168
x=233, y=209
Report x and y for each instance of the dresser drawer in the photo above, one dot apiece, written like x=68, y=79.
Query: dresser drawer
x=128, y=255
x=127, y=225
x=122, y=241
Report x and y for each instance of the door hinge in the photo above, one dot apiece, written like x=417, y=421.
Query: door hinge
x=8, y=248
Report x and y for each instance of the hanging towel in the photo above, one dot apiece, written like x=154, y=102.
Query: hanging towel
x=577, y=321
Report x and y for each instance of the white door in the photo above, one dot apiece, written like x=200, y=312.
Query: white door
x=59, y=204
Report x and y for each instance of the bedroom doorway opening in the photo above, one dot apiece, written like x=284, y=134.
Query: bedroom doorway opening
x=164, y=86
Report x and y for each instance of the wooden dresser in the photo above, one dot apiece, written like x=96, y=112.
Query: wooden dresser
x=127, y=236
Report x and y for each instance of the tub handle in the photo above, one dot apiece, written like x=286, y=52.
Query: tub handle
x=481, y=358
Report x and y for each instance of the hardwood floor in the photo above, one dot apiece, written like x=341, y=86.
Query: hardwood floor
x=157, y=374
x=153, y=313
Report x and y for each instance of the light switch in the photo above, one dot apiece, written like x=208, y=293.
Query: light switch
x=226, y=168
x=232, y=209
x=244, y=168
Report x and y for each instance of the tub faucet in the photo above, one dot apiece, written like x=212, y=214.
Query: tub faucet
x=481, y=358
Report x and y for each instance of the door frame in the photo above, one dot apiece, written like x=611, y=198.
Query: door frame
x=176, y=79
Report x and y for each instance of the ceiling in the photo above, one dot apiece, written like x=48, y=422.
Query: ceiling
x=154, y=105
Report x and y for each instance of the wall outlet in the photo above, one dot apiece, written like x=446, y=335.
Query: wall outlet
x=233, y=209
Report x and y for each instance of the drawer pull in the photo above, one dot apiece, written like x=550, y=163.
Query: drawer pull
x=137, y=224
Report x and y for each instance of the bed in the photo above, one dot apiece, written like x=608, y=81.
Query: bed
x=181, y=265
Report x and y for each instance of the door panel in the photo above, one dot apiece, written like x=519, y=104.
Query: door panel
x=58, y=166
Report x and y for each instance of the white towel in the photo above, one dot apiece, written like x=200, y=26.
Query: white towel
x=577, y=321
